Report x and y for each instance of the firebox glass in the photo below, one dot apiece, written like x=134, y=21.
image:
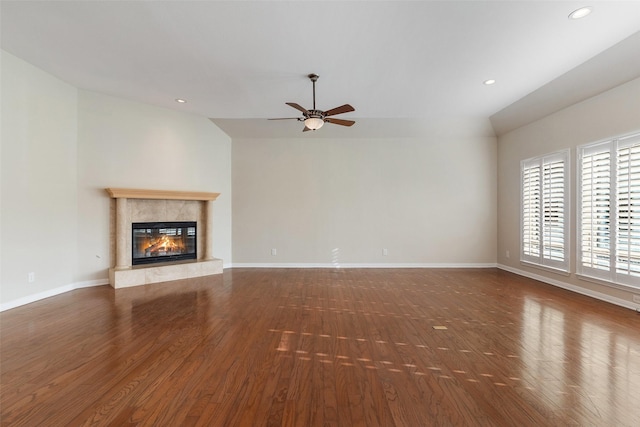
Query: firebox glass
x=163, y=241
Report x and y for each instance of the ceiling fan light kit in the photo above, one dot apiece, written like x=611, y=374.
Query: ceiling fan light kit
x=315, y=119
x=314, y=123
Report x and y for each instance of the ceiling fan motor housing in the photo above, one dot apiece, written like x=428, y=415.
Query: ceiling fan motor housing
x=316, y=114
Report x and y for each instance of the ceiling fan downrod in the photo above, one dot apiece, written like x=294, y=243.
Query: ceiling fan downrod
x=314, y=79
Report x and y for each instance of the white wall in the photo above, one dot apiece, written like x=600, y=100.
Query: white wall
x=612, y=113
x=39, y=202
x=126, y=144
x=428, y=201
x=60, y=148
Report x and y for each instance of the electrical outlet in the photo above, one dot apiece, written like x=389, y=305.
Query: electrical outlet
x=274, y=252
x=636, y=298
x=507, y=254
x=385, y=252
x=31, y=277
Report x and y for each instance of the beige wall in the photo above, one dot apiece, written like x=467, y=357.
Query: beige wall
x=615, y=112
x=60, y=148
x=428, y=201
x=132, y=145
x=39, y=145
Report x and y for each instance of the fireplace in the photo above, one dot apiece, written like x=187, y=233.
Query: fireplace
x=133, y=207
x=153, y=242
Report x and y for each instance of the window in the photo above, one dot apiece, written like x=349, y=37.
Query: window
x=609, y=230
x=545, y=213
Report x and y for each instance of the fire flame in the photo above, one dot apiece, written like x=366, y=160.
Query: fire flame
x=163, y=246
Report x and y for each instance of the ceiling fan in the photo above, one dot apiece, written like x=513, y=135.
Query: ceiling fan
x=315, y=119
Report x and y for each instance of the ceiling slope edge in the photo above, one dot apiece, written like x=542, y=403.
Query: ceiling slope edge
x=611, y=68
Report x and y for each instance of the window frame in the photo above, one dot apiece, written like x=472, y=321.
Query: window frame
x=541, y=260
x=610, y=275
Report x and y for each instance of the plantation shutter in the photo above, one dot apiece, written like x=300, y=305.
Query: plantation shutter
x=553, y=204
x=628, y=201
x=596, y=209
x=531, y=223
x=610, y=211
x=544, y=215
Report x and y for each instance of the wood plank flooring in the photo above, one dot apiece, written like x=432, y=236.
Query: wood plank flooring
x=321, y=347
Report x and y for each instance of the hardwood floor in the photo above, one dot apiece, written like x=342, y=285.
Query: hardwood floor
x=311, y=347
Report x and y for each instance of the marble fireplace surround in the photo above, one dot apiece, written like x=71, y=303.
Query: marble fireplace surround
x=134, y=205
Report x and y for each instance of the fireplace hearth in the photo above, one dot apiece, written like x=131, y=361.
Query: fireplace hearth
x=155, y=242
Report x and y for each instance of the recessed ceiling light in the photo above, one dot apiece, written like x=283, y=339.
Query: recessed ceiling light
x=489, y=82
x=180, y=101
x=580, y=13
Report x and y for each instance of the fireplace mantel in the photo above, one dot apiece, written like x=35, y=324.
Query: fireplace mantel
x=130, y=204
x=132, y=193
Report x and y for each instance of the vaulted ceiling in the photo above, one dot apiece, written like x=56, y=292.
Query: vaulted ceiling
x=406, y=66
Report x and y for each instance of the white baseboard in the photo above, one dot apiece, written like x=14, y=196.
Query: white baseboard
x=568, y=286
x=51, y=293
x=360, y=265
x=91, y=283
x=57, y=291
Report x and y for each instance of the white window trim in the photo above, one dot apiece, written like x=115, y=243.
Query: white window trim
x=611, y=277
x=562, y=267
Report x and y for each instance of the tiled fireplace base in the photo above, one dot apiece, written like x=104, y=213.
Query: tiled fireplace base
x=146, y=275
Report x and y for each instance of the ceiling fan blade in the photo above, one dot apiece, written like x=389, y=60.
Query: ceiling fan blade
x=297, y=107
x=306, y=129
x=286, y=118
x=339, y=110
x=339, y=122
